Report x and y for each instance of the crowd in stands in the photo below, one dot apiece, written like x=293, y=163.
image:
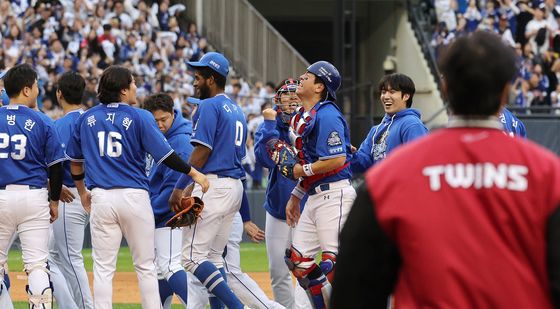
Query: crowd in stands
x=145, y=36
x=531, y=27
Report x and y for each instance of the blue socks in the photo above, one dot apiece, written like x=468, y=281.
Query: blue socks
x=214, y=281
x=178, y=283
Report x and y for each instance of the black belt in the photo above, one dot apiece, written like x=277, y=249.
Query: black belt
x=30, y=187
x=321, y=187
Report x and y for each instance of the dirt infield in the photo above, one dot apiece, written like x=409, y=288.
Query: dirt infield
x=125, y=286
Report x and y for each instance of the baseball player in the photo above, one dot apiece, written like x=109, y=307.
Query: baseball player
x=278, y=235
x=113, y=139
x=219, y=139
x=5, y=300
x=31, y=153
x=401, y=124
x=326, y=174
x=68, y=231
x=479, y=225
x=512, y=125
x=172, y=278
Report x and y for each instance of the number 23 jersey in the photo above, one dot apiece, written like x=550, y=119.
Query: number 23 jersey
x=29, y=144
x=113, y=139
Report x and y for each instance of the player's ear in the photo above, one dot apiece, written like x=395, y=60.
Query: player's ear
x=405, y=96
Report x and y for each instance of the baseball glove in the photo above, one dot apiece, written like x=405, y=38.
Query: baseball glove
x=281, y=152
x=192, y=207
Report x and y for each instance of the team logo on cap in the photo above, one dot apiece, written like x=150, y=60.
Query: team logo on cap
x=325, y=73
x=214, y=64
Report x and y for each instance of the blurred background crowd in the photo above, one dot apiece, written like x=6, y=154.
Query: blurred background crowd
x=145, y=36
x=531, y=27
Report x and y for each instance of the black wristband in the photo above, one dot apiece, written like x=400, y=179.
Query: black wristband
x=78, y=177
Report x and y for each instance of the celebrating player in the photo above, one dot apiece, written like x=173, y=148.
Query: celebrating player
x=30, y=150
x=66, y=250
x=177, y=130
x=219, y=139
x=113, y=139
x=401, y=124
x=325, y=153
x=464, y=218
x=278, y=235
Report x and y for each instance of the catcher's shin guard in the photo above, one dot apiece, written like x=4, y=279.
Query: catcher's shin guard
x=310, y=277
x=327, y=264
x=317, y=287
x=42, y=301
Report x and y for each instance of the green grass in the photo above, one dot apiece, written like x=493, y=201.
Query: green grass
x=22, y=305
x=253, y=259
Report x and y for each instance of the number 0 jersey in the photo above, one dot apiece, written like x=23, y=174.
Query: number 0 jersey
x=221, y=126
x=29, y=144
x=113, y=139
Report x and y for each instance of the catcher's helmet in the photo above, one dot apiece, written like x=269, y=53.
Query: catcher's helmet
x=328, y=74
x=287, y=85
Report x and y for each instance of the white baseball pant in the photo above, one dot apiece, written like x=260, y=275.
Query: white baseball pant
x=322, y=219
x=207, y=239
x=168, y=254
x=115, y=213
x=278, y=237
x=66, y=250
x=241, y=284
x=61, y=290
x=25, y=211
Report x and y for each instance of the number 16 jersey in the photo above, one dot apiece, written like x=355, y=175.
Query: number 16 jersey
x=113, y=139
x=29, y=144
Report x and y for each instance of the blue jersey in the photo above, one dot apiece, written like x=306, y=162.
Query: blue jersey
x=29, y=144
x=279, y=187
x=114, y=139
x=221, y=126
x=512, y=125
x=64, y=126
x=326, y=137
x=163, y=178
x=393, y=131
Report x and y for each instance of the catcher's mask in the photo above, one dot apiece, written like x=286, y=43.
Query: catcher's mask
x=285, y=110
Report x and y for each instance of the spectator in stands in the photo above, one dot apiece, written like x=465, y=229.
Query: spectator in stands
x=473, y=16
x=536, y=31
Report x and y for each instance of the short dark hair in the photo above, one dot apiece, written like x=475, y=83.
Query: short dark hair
x=206, y=72
x=476, y=68
x=398, y=82
x=19, y=77
x=325, y=91
x=159, y=101
x=114, y=79
x=71, y=85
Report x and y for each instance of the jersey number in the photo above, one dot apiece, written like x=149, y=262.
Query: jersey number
x=238, y=133
x=114, y=146
x=19, y=141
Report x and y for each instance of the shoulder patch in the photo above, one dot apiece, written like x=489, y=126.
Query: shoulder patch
x=334, y=139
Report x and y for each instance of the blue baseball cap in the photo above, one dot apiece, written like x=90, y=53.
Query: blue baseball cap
x=213, y=60
x=4, y=99
x=193, y=100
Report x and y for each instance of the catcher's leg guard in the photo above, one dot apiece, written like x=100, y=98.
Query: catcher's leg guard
x=328, y=261
x=310, y=277
x=42, y=301
x=45, y=299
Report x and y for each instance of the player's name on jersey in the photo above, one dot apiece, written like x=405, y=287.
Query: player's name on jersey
x=477, y=175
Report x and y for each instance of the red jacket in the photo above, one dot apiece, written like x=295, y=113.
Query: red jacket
x=468, y=212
